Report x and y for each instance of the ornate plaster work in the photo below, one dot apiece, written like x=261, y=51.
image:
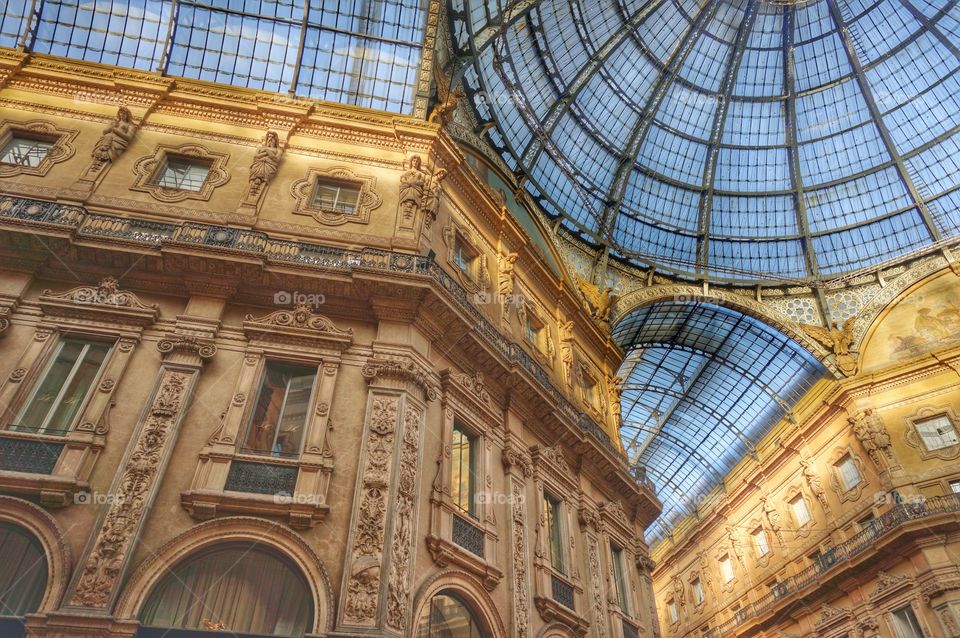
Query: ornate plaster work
x=304, y=191
x=62, y=150
x=147, y=168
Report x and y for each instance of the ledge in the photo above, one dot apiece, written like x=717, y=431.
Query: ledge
x=445, y=553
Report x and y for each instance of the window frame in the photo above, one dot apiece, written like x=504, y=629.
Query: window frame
x=473, y=467
x=62, y=147
x=18, y=135
x=190, y=162
x=556, y=550
x=726, y=563
x=253, y=405
x=339, y=184
x=762, y=549
x=672, y=612
x=924, y=438
x=915, y=439
x=847, y=460
x=699, y=596
x=793, y=502
x=913, y=620
x=620, y=576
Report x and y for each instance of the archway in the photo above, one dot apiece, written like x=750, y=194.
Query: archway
x=459, y=600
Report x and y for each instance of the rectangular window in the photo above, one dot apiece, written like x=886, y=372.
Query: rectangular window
x=279, y=416
x=760, y=542
x=697, y=587
x=619, y=574
x=553, y=508
x=27, y=151
x=463, y=256
x=182, y=174
x=726, y=569
x=336, y=196
x=905, y=622
x=63, y=387
x=937, y=433
x=463, y=489
x=672, y=610
x=849, y=474
x=534, y=332
x=955, y=487
x=801, y=514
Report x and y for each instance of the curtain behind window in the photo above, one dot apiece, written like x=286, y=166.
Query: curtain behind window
x=248, y=589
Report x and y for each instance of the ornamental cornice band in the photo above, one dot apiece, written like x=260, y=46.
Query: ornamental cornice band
x=404, y=370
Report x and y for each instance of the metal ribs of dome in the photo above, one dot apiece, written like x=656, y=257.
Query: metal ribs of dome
x=728, y=139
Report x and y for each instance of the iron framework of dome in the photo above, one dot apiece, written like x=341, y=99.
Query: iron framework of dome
x=727, y=139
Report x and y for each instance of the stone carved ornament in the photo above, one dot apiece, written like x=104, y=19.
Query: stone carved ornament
x=99, y=575
x=837, y=340
x=814, y=483
x=106, y=293
x=593, y=553
x=600, y=302
x=521, y=601
x=115, y=140
x=367, y=552
x=870, y=431
x=266, y=162
x=302, y=317
x=772, y=516
x=399, y=597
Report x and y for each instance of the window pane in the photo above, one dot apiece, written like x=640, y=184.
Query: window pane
x=726, y=569
x=447, y=617
x=464, y=470
x=280, y=415
x=937, y=433
x=760, y=540
x=800, y=512
x=336, y=196
x=23, y=571
x=618, y=573
x=906, y=623
x=182, y=174
x=24, y=151
x=552, y=508
x=849, y=473
x=955, y=487
x=63, y=386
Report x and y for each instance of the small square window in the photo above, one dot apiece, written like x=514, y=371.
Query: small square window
x=801, y=514
x=849, y=473
x=27, y=151
x=955, y=487
x=726, y=569
x=181, y=173
x=534, y=332
x=336, y=196
x=464, y=257
x=760, y=542
x=937, y=432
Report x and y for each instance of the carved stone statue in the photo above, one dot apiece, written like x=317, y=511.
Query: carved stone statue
x=430, y=203
x=837, y=339
x=870, y=431
x=614, y=390
x=772, y=517
x=442, y=113
x=566, y=350
x=506, y=264
x=678, y=593
x=734, y=543
x=413, y=185
x=266, y=161
x=814, y=483
x=116, y=137
x=600, y=302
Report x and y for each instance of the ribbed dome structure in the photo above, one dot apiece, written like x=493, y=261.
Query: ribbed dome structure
x=728, y=139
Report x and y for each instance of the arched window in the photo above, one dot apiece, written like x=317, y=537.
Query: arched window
x=447, y=617
x=23, y=571
x=239, y=588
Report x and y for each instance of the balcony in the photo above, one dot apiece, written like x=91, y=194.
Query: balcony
x=853, y=547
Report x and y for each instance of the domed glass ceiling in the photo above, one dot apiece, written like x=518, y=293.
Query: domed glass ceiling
x=728, y=139
x=702, y=385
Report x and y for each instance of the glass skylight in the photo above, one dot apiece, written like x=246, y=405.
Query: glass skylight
x=361, y=52
x=728, y=139
x=702, y=385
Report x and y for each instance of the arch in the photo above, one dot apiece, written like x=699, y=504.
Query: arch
x=636, y=299
x=885, y=307
x=470, y=591
x=223, y=531
x=51, y=538
x=555, y=630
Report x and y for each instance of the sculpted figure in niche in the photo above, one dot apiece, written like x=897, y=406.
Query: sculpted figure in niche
x=430, y=202
x=116, y=137
x=615, y=388
x=870, y=431
x=566, y=350
x=266, y=161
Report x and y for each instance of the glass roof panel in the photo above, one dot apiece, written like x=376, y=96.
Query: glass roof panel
x=702, y=385
x=820, y=115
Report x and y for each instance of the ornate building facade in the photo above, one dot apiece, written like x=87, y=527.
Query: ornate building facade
x=846, y=522
x=273, y=367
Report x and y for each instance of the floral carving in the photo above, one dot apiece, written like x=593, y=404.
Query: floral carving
x=399, y=597
x=368, y=544
x=186, y=345
x=593, y=556
x=521, y=601
x=106, y=293
x=99, y=575
x=511, y=456
x=17, y=375
x=302, y=317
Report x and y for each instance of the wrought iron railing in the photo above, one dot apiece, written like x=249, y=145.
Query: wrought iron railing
x=302, y=253
x=26, y=455
x=561, y=592
x=852, y=547
x=261, y=478
x=468, y=536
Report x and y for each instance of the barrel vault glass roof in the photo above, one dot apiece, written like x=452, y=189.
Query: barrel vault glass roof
x=728, y=139
x=702, y=385
x=361, y=52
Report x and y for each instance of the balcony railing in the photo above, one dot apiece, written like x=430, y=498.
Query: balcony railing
x=561, y=592
x=36, y=212
x=468, y=536
x=852, y=547
x=261, y=478
x=25, y=455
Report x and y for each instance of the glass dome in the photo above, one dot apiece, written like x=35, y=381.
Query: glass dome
x=728, y=139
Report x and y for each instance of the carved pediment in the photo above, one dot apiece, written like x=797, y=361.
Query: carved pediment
x=888, y=583
x=830, y=615
x=470, y=391
x=105, y=301
x=298, y=325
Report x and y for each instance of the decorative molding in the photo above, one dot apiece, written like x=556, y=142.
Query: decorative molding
x=62, y=150
x=887, y=584
x=521, y=601
x=55, y=547
x=303, y=190
x=830, y=615
x=105, y=300
x=477, y=281
x=146, y=170
x=514, y=456
x=186, y=345
x=298, y=325
x=404, y=369
x=836, y=481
